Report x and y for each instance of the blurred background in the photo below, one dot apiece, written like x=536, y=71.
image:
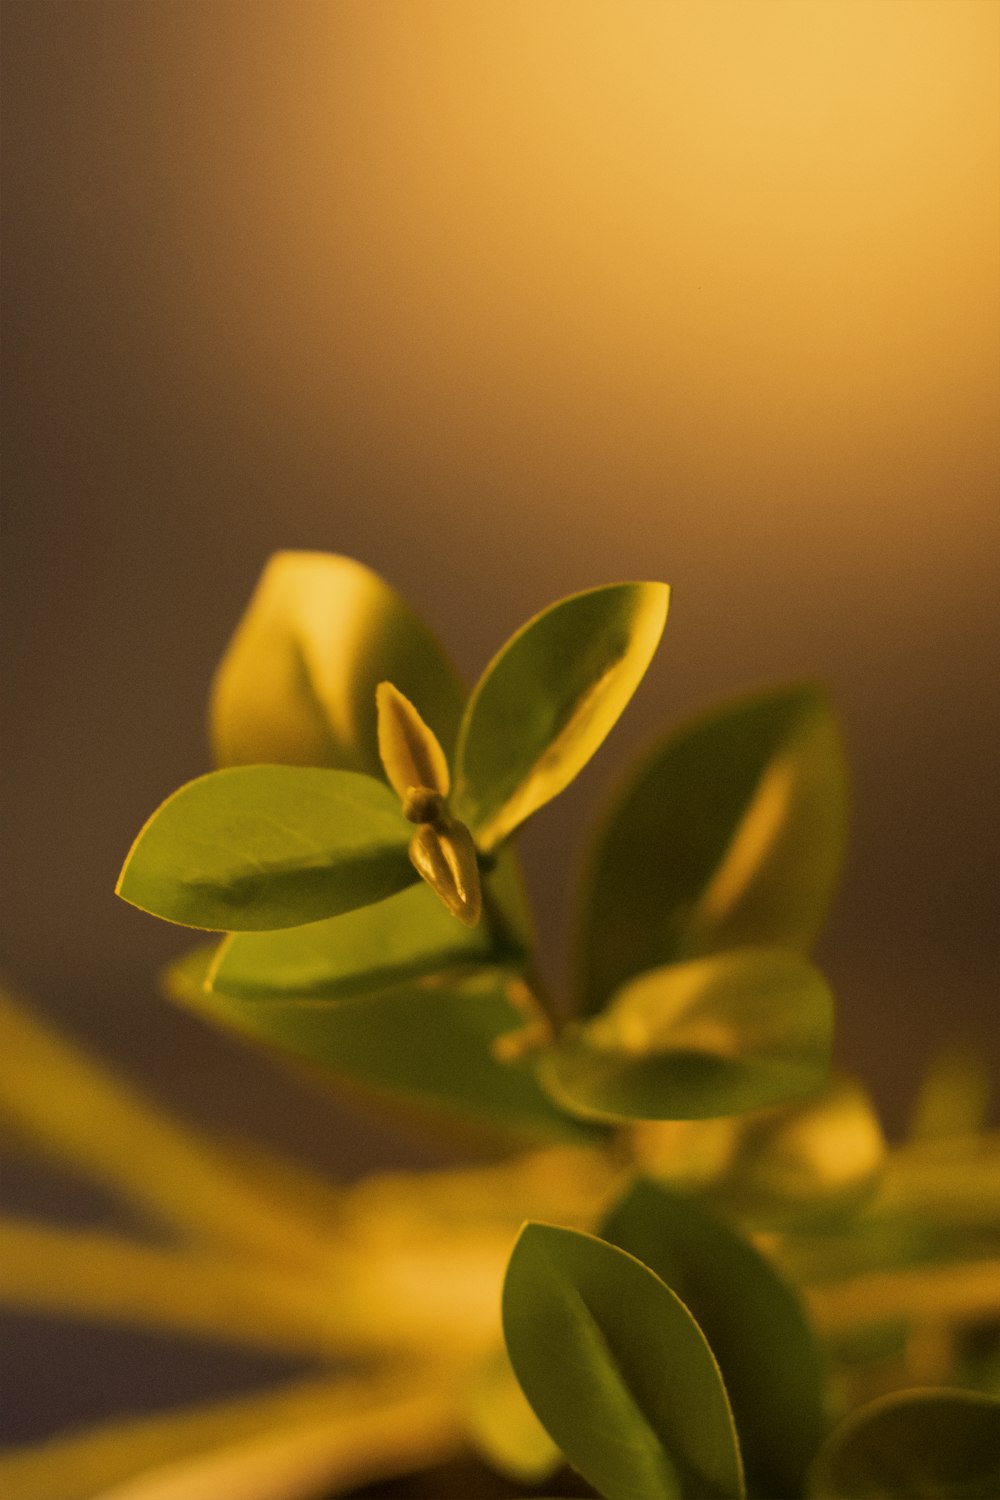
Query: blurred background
x=505, y=298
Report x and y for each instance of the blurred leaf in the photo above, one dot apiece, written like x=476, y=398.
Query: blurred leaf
x=617, y=1370
x=713, y=1037
x=914, y=1445
x=754, y=1322
x=730, y=834
x=408, y=748
x=257, y=847
x=954, y=1097
x=404, y=937
x=686, y=1155
x=503, y=1427
x=808, y=1161
x=370, y=1426
x=82, y=1115
x=297, y=683
x=548, y=699
x=430, y=1045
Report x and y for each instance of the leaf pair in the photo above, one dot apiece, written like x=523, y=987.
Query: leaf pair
x=730, y=834
x=643, y=1363
x=429, y=1048
x=669, y=1361
x=706, y=886
x=934, y=1444
x=255, y=847
x=716, y=1036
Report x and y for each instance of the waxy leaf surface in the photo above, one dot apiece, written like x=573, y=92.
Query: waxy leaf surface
x=730, y=834
x=548, y=699
x=428, y=1046
x=914, y=1445
x=617, y=1370
x=753, y=1320
x=257, y=847
x=297, y=683
x=404, y=937
x=713, y=1037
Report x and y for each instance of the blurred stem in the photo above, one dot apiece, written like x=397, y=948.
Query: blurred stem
x=349, y=1430
x=956, y=1293
x=79, y=1113
x=949, y=1181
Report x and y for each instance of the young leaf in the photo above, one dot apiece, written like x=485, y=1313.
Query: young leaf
x=409, y=749
x=730, y=834
x=257, y=847
x=297, y=683
x=428, y=1046
x=404, y=937
x=548, y=699
x=914, y=1445
x=617, y=1370
x=713, y=1037
x=754, y=1322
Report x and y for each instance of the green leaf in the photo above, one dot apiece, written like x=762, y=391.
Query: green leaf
x=548, y=699
x=297, y=683
x=429, y=1046
x=753, y=1320
x=404, y=937
x=914, y=1445
x=713, y=1037
x=730, y=834
x=617, y=1370
x=257, y=847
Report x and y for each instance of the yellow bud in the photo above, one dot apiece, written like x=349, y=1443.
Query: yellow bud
x=445, y=857
x=409, y=748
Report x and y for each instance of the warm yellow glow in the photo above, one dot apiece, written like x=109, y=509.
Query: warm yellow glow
x=628, y=241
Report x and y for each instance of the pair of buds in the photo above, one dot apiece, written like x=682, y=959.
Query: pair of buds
x=442, y=850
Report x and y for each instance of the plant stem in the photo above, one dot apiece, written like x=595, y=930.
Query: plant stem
x=960, y=1292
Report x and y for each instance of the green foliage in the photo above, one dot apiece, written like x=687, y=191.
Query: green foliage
x=716, y=1036
x=618, y=1370
x=356, y=854
x=297, y=683
x=731, y=833
x=404, y=937
x=431, y=1048
x=914, y=1445
x=548, y=700
x=754, y=1322
x=257, y=847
